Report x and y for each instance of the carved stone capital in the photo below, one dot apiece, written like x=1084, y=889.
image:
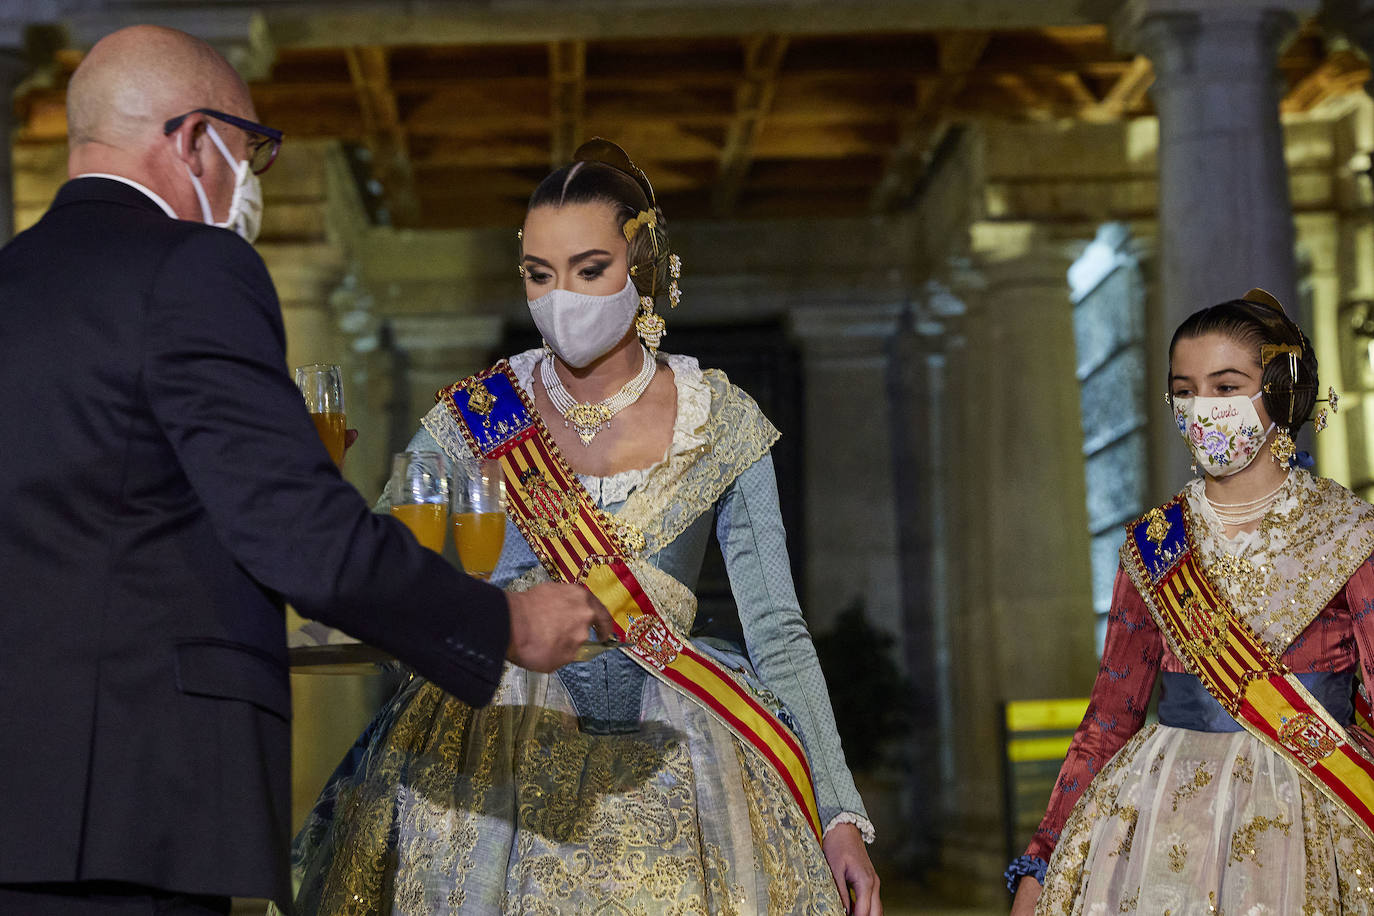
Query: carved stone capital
x=1165, y=30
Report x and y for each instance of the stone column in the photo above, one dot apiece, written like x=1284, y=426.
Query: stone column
x=919, y=404
x=1226, y=223
x=1018, y=545
x=851, y=528
x=851, y=507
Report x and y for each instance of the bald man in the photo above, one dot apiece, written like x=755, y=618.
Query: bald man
x=164, y=492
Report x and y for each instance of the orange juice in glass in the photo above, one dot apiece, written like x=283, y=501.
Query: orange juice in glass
x=420, y=495
x=479, y=519
x=331, y=427
x=426, y=522
x=321, y=385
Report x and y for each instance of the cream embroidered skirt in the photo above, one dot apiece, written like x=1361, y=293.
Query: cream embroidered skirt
x=1186, y=822
x=511, y=809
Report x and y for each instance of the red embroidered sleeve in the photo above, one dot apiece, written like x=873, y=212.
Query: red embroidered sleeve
x=1120, y=695
x=1359, y=596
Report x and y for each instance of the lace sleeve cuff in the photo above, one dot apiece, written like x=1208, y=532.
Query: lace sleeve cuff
x=1022, y=866
x=858, y=820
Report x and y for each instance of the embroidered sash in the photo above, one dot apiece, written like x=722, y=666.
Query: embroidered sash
x=1221, y=650
x=577, y=542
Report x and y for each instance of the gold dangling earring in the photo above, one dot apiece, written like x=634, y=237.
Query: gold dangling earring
x=649, y=325
x=1281, y=447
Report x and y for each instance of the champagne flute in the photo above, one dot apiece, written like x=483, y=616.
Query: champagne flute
x=420, y=495
x=322, y=387
x=479, y=519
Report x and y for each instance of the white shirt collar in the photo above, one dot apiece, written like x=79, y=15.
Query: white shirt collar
x=151, y=195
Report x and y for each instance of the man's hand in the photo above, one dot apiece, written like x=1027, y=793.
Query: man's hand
x=853, y=872
x=550, y=622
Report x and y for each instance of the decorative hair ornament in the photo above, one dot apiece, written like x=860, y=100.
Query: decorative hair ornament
x=675, y=272
x=1281, y=447
x=599, y=149
x=648, y=324
x=1332, y=401
x=1264, y=297
x=645, y=218
x=1269, y=351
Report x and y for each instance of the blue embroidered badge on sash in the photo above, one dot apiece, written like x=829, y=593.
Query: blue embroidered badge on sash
x=492, y=410
x=1161, y=538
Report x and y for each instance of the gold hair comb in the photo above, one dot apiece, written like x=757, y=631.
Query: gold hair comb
x=1264, y=297
x=1269, y=351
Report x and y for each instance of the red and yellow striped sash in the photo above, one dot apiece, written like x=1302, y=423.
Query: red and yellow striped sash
x=1239, y=669
x=577, y=542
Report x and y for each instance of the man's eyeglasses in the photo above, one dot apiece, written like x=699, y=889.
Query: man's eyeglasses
x=263, y=141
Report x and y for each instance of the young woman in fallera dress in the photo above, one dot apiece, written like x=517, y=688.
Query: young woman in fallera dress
x=1249, y=596
x=604, y=787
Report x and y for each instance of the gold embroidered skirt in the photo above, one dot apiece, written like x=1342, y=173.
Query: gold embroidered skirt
x=1187, y=822
x=511, y=809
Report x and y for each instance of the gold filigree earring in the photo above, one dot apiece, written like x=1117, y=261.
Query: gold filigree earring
x=1281, y=447
x=649, y=325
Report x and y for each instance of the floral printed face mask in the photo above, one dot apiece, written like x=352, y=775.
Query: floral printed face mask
x=1224, y=433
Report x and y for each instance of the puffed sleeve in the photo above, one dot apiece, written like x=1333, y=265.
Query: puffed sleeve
x=1131, y=658
x=1359, y=594
x=753, y=541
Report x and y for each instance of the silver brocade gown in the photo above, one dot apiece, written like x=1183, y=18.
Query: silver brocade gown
x=598, y=789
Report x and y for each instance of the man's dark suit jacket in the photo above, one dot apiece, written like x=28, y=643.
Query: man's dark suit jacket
x=164, y=491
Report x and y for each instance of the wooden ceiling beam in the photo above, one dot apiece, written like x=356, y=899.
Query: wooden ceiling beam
x=1078, y=92
x=1341, y=72
x=1126, y=93
x=920, y=127
x=763, y=56
x=567, y=98
x=386, y=135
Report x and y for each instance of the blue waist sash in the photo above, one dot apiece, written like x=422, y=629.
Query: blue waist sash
x=1185, y=703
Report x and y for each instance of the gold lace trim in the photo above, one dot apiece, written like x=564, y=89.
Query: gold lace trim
x=680, y=489
x=673, y=600
x=1304, y=553
x=677, y=491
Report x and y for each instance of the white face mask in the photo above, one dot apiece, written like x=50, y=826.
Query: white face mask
x=1224, y=433
x=579, y=327
x=245, y=208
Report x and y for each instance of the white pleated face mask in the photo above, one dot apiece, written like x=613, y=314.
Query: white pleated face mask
x=245, y=208
x=1224, y=433
x=579, y=327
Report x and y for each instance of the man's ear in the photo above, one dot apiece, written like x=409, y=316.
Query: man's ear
x=189, y=141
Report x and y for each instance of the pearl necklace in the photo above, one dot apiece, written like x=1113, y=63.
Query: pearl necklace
x=1236, y=514
x=587, y=417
